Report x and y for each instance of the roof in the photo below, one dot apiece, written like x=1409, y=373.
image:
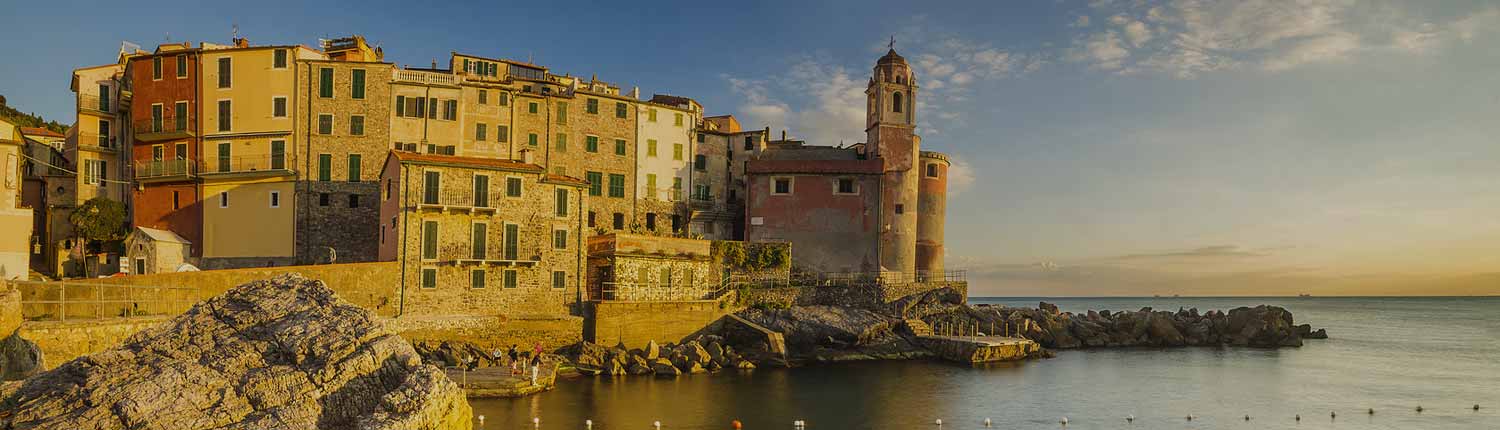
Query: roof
x=476, y=162
x=39, y=132
x=848, y=167
x=891, y=57
x=668, y=99
x=162, y=235
x=565, y=180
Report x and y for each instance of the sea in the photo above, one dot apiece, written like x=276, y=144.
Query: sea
x=1389, y=355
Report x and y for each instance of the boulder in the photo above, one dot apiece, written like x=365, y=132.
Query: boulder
x=637, y=365
x=19, y=358
x=280, y=353
x=652, y=351
x=664, y=367
x=613, y=367
x=590, y=355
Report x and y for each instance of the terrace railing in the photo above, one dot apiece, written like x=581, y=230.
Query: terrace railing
x=83, y=300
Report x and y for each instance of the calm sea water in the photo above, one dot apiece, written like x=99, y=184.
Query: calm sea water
x=1390, y=354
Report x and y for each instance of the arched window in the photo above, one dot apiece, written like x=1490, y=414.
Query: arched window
x=896, y=102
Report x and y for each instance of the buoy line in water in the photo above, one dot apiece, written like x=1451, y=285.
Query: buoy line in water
x=800, y=424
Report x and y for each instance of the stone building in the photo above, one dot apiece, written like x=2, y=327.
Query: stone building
x=717, y=199
x=635, y=267
x=482, y=236
x=344, y=134
x=47, y=181
x=856, y=208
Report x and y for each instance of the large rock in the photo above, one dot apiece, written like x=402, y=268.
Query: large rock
x=19, y=358
x=284, y=353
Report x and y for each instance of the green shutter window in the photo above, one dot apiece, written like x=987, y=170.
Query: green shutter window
x=481, y=191
x=596, y=182
x=591, y=144
x=357, y=125
x=477, y=240
x=593, y=106
x=430, y=183
x=429, y=278
x=358, y=78
x=224, y=157
x=510, y=279
x=504, y=99
x=512, y=241
x=476, y=279
x=353, y=167
x=479, y=132
x=562, y=143
x=502, y=133
x=531, y=139
x=559, y=279
x=325, y=82
x=325, y=167
x=650, y=186
x=677, y=151
x=678, y=120
x=676, y=188
x=560, y=239
x=531, y=108
x=562, y=202
x=619, y=146
x=616, y=185
x=620, y=109
x=562, y=113
x=429, y=240
x=278, y=154
x=650, y=147
x=513, y=187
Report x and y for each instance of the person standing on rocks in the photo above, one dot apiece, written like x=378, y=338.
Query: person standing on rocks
x=515, y=356
x=536, y=365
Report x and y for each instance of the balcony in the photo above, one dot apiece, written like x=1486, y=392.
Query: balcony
x=249, y=165
x=165, y=170
x=425, y=78
x=166, y=128
x=97, y=142
x=95, y=103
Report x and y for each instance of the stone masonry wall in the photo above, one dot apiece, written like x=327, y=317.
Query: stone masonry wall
x=61, y=341
x=341, y=214
x=369, y=285
x=858, y=296
x=636, y=323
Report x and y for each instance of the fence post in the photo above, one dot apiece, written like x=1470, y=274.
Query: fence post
x=99, y=301
x=62, y=299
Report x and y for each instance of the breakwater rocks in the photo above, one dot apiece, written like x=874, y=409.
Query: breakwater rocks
x=280, y=353
x=707, y=353
x=1261, y=326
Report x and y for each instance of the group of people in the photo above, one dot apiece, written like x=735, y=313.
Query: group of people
x=516, y=358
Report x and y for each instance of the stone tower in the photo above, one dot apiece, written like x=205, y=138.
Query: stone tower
x=890, y=133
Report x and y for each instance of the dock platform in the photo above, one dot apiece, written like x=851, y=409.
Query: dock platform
x=979, y=349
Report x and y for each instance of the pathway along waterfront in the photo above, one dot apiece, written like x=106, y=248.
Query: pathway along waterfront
x=1444, y=361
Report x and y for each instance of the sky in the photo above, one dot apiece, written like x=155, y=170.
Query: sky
x=1193, y=147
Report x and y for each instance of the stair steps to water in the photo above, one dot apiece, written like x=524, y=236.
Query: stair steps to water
x=918, y=327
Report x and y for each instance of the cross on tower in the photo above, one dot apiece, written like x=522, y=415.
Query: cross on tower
x=892, y=45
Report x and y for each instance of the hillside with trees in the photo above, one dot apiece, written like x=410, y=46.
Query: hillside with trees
x=24, y=119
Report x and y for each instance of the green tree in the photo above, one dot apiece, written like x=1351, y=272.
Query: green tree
x=96, y=221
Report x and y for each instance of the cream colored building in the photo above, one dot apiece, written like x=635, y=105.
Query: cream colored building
x=249, y=157
x=667, y=128
x=15, y=220
x=95, y=142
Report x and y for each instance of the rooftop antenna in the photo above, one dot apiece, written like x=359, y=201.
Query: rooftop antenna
x=234, y=31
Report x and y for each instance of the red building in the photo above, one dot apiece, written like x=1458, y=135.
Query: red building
x=166, y=146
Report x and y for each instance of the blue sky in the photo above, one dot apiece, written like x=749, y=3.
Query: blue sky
x=1108, y=147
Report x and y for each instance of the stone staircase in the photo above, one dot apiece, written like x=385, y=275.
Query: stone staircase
x=918, y=327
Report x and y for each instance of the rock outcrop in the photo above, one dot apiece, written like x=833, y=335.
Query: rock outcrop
x=280, y=353
x=1261, y=326
x=704, y=354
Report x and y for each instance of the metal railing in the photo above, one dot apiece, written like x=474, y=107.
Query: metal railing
x=97, y=140
x=167, y=124
x=96, y=103
x=248, y=163
x=637, y=291
x=71, y=301
x=877, y=278
x=165, y=168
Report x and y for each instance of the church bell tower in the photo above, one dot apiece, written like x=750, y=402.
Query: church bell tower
x=890, y=130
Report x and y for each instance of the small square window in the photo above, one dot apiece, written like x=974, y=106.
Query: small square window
x=322, y=199
x=900, y=209
x=275, y=199
x=845, y=186
x=429, y=278
x=932, y=170
x=476, y=279
x=559, y=279
x=782, y=186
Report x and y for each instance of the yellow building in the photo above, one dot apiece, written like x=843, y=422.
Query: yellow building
x=15, y=220
x=249, y=160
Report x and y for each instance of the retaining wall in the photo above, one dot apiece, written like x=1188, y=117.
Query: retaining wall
x=857, y=296
x=373, y=286
x=61, y=341
x=635, y=323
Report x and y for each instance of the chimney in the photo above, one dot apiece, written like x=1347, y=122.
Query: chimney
x=240, y=42
x=526, y=156
x=434, y=64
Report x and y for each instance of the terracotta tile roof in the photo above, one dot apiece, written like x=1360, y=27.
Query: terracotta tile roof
x=492, y=163
x=39, y=132
x=566, y=180
x=855, y=167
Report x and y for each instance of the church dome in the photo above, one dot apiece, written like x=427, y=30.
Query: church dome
x=891, y=57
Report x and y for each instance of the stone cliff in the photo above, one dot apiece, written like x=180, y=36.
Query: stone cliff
x=280, y=353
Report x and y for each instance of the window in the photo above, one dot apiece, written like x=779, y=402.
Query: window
x=95, y=172
x=677, y=119
x=562, y=113
x=104, y=133
x=560, y=239
x=651, y=115
x=700, y=137
x=591, y=143
x=620, y=109
x=180, y=150
x=531, y=139
x=650, y=221
x=702, y=192
x=224, y=111
x=700, y=162
x=562, y=143
x=650, y=186
x=325, y=167
x=932, y=170
x=749, y=143
x=182, y=66
x=323, y=199
x=400, y=106
x=431, y=181
x=224, y=199
x=650, y=147
x=619, y=146
x=512, y=241
x=157, y=152
x=676, y=222
x=559, y=279
x=180, y=115
x=354, y=200
x=591, y=218
x=278, y=154
x=900, y=209
x=432, y=107
x=504, y=99
x=476, y=240
x=104, y=97
x=484, y=97
x=156, y=68
x=619, y=221
x=782, y=186
x=156, y=117
x=325, y=82
x=176, y=200
x=224, y=156
x=677, y=151
x=676, y=188
x=354, y=168
x=357, y=76
x=429, y=278
x=279, y=61
x=450, y=110
x=562, y=203
x=845, y=186
x=531, y=108
x=596, y=182
x=224, y=72
x=616, y=186
x=896, y=102
x=502, y=133
x=510, y=279
x=429, y=240
x=325, y=124
x=357, y=125
x=479, y=130
x=275, y=199
x=278, y=107
x=512, y=187
x=592, y=106
x=481, y=191
x=476, y=279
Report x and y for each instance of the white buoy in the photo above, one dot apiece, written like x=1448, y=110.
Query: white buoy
x=536, y=422
x=986, y=422
x=1130, y=418
x=656, y=424
x=939, y=421
x=1064, y=421
x=588, y=423
x=481, y=420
